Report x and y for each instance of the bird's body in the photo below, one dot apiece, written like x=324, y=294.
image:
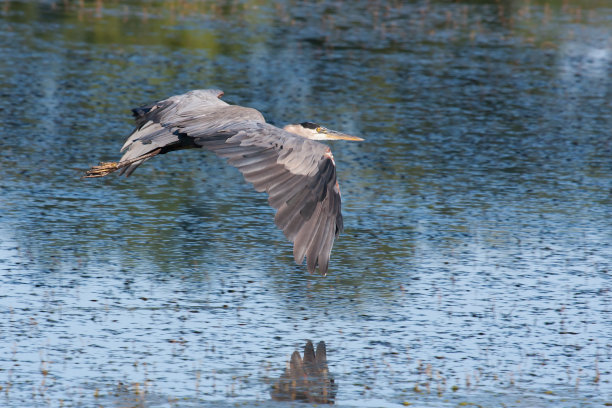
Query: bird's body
x=298, y=173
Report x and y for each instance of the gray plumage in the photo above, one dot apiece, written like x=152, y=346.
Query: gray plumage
x=299, y=174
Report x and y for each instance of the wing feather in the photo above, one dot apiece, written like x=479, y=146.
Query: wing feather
x=269, y=177
x=327, y=239
x=290, y=222
x=302, y=238
x=231, y=150
x=312, y=251
x=248, y=162
x=264, y=179
x=291, y=208
x=283, y=192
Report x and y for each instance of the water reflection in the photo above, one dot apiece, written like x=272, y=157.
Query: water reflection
x=306, y=378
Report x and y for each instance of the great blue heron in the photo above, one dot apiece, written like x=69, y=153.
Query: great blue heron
x=298, y=173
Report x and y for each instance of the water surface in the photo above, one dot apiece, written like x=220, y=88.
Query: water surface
x=475, y=266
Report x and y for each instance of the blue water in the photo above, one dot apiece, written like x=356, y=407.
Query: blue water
x=475, y=266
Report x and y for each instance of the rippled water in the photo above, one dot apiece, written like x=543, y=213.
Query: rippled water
x=476, y=263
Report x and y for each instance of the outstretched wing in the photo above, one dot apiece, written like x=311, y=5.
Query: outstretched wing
x=154, y=122
x=298, y=174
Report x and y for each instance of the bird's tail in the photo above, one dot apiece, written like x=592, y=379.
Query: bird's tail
x=105, y=168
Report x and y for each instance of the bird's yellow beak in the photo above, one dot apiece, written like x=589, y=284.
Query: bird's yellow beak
x=329, y=134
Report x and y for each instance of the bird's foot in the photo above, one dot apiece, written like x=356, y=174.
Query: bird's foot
x=102, y=169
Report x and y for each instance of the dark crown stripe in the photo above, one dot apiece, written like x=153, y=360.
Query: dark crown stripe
x=309, y=125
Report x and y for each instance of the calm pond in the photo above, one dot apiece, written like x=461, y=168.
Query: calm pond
x=476, y=263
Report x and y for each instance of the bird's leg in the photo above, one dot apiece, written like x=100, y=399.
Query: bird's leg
x=105, y=168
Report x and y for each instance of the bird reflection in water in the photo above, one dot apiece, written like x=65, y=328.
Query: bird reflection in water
x=306, y=379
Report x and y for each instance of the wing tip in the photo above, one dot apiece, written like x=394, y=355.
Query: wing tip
x=315, y=262
x=322, y=264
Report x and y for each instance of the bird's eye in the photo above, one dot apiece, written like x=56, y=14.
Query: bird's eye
x=319, y=130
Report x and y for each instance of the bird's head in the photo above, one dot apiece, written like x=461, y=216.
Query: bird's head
x=314, y=131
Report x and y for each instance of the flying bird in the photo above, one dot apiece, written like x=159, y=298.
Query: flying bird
x=297, y=172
